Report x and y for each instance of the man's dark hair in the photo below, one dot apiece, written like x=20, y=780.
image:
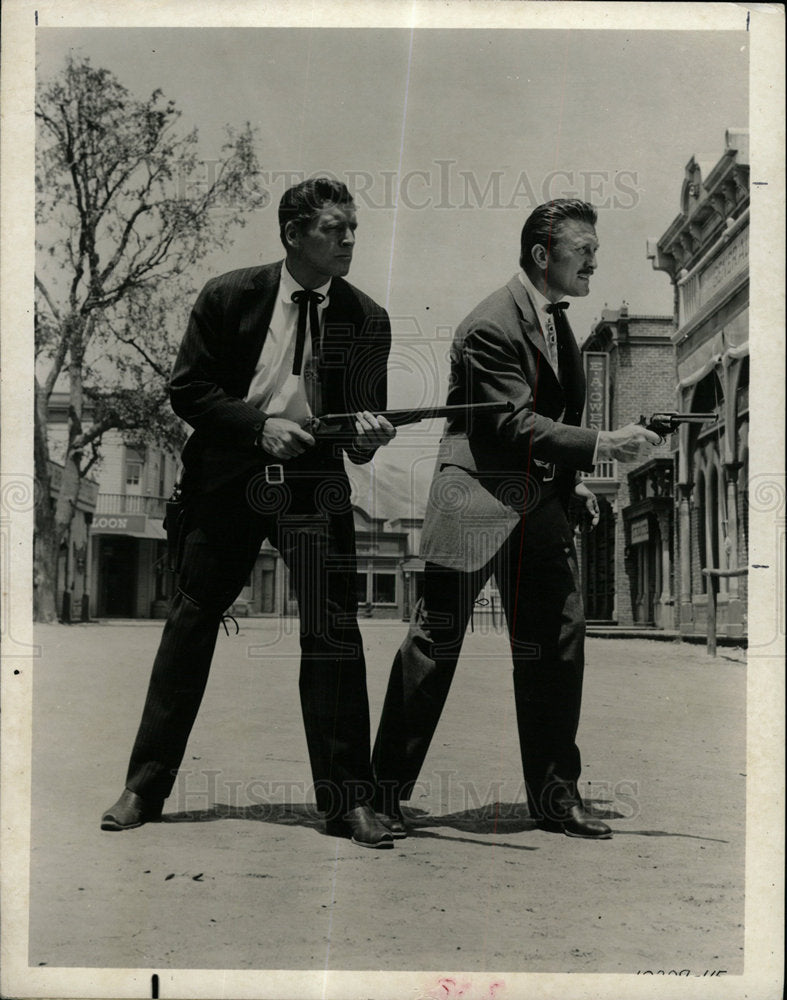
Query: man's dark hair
x=301, y=203
x=543, y=224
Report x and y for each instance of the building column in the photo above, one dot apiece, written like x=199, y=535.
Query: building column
x=613, y=558
x=684, y=552
x=88, y=576
x=731, y=480
x=735, y=609
x=407, y=595
x=666, y=599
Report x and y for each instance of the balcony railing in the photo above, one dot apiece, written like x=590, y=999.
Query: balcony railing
x=122, y=503
x=603, y=470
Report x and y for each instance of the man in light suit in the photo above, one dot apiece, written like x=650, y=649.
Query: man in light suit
x=498, y=505
x=247, y=379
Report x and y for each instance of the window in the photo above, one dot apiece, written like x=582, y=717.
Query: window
x=362, y=585
x=133, y=473
x=384, y=588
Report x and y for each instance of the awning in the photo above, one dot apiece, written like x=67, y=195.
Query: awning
x=128, y=525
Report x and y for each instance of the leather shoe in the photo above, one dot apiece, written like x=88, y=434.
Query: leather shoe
x=577, y=823
x=394, y=822
x=131, y=811
x=362, y=827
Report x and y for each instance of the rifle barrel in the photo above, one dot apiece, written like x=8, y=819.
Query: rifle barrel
x=398, y=417
x=416, y=414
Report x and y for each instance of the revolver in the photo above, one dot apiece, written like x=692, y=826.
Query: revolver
x=668, y=422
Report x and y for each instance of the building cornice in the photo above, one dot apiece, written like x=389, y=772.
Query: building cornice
x=711, y=199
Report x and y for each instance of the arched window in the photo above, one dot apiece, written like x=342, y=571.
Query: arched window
x=705, y=451
x=708, y=397
x=742, y=388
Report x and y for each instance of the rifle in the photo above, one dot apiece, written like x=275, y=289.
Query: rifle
x=668, y=422
x=330, y=424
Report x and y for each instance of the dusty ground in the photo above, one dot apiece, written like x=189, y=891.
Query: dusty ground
x=240, y=876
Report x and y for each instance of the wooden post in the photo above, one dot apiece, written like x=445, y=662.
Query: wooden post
x=714, y=574
x=711, y=612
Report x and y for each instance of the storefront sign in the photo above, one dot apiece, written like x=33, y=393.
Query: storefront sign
x=730, y=262
x=119, y=524
x=640, y=531
x=597, y=401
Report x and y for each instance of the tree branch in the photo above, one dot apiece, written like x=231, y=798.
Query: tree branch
x=153, y=364
x=48, y=298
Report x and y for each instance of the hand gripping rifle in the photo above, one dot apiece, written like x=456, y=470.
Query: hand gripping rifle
x=668, y=422
x=341, y=424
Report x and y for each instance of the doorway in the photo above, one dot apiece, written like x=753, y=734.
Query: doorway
x=117, y=577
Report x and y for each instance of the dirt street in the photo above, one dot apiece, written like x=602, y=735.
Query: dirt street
x=240, y=875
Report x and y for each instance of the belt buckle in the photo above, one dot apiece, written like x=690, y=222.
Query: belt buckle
x=274, y=474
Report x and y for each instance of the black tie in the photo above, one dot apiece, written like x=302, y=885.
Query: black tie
x=562, y=334
x=307, y=301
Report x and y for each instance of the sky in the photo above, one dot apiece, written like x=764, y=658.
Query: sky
x=449, y=138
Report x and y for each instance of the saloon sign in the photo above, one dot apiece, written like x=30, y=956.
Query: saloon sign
x=597, y=401
x=108, y=524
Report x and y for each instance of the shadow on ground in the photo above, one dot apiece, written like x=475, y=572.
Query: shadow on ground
x=496, y=819
x=492, y=819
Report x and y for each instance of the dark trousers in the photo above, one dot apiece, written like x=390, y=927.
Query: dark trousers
x=311, y=525
x=537, y=576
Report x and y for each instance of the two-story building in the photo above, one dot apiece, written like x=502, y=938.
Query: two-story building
x=705, y=252
x=129, y=552
x=122, y=545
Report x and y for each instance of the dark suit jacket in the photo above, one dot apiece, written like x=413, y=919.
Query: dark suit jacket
x=218, y=355
x=486, y=473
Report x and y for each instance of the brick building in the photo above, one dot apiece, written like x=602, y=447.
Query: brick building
x=705, y=252
x=626, y=562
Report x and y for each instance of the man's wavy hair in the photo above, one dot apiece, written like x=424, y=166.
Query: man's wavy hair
x=544, y=222
x=301, y=203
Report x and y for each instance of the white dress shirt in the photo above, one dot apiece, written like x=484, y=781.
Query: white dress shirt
x=546, y=319
x=274, y=389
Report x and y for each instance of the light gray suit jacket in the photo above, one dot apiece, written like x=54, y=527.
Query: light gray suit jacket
x=493, y=469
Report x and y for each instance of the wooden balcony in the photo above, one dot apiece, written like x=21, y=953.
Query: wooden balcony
x=129, y=503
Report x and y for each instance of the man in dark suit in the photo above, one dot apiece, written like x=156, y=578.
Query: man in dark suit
x=247, y=379
x=498, y=505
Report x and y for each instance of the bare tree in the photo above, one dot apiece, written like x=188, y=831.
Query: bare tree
x=125, y=208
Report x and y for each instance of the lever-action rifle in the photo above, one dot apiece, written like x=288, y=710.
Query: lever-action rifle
x=331, y=424
x=668, y=422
